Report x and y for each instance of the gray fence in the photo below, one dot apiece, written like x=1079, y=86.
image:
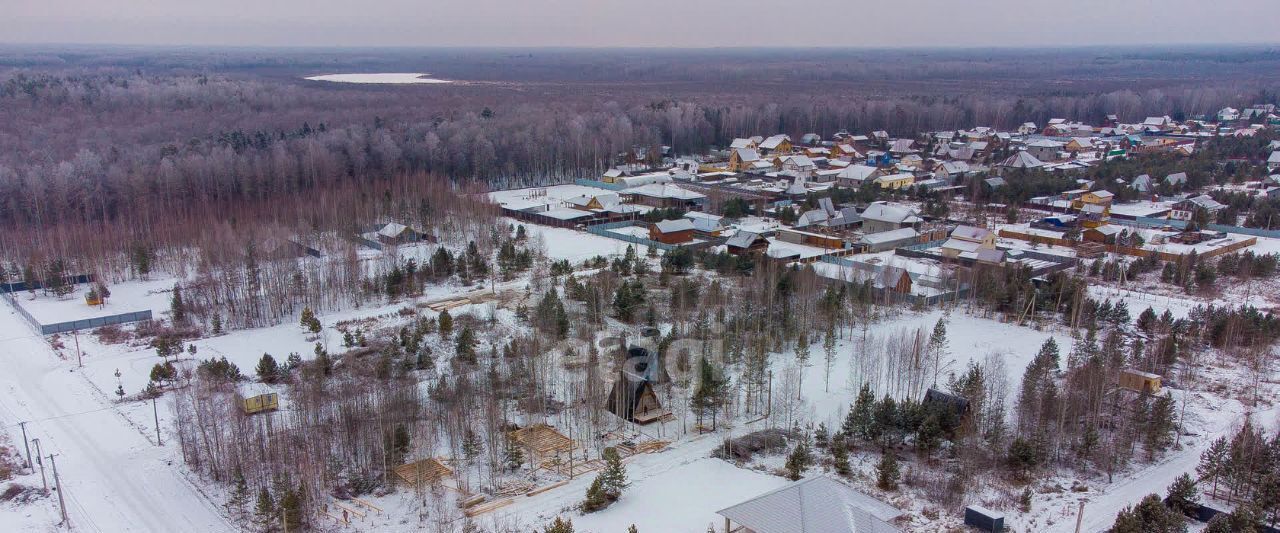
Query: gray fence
x=1180, y=224
x=73, y=325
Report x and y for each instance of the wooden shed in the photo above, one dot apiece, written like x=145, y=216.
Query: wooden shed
x=1139, y=381
x=542, y=440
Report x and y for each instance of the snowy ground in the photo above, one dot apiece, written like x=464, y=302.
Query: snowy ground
x=383, y=78
x=114, y=476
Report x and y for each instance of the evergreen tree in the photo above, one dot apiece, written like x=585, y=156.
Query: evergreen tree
x=596, y=498
x=268, y=370
x=471, y=445
x=887, y=473
x=446, y=324
x=799, y=460
x=177, y=308
x=309, y=320
x=1183, y=495
x=239, y=491
x=513, y=456
x=466, y=346
x=1149, y=516
x=614, y=475
x=560, y=525
x=857, y=424
x=266, y=506
x=840, y=457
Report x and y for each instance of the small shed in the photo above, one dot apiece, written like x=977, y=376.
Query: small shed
x=1139, y=381
x=260, y=403
x=954, y=404
x=983, y=519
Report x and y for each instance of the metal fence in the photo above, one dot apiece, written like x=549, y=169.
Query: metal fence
x=19, y=286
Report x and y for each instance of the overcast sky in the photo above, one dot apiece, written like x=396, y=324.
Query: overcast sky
x=649, y=23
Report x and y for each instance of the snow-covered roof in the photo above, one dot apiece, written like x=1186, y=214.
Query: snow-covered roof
x=890, y=236
x=747, y=154
x=773, y=142
x=818, y=504
x=971, y=233
x=665, y=190
x=883, y=212
x=740, y=143
x=742, y=239
x=565, y=213
x=962, y=245
x=1022, y=160
x=392, y=229
x=1176, y=178
x=856, y=172
x=672, y=226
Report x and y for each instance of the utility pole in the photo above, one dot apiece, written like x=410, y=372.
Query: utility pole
x=57, y=485
x=79, y=360
x=155, y=412
x=26, y=444
x=43, y=480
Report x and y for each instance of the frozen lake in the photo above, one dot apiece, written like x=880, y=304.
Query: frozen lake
x=381, y=77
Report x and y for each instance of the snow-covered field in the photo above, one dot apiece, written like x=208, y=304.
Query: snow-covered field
x=381, y=77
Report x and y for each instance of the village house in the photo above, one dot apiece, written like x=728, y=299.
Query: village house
x=880, y=216
x=966, y=239
x=1105, y=234
x=1027, y=128
x=1044, y=149
x=777, y=144
x=795, y=165
x=741, y=159
x=1186, y=209
x=666, y=195
x=677, y=231
x=395, y=233
x=706, y=225
x=746, y=243
x=892, y=279
x=1021, y=159
x=901, y=180
x=852, y=176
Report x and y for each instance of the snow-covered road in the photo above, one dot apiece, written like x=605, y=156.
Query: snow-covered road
x=115, y=479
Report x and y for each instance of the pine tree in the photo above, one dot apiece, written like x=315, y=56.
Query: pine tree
x=309, y=320
x=596, y=498
x=471, y=445
x=215, y=325
x=268, y=370
x=614, y=475
x=1183, y=496
x=560, y=525
x=887, y=473
x=239, y=491
x=466, y=346
x=446, y=324
x=829, y=357
x=266, y=507
x=177, y=309
x=291, y=508
x=857, y=424
x=799, y=460
x=1149, y=516
x=1214, y=463
x=513, y=456
x=840, y=457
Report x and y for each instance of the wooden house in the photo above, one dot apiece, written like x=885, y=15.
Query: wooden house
x=741, y=159
x=395, y=233
x=1139, y=381
x=893, y=279
x=677, y=231
x=632, y=396
x=747, y=243
x=777, y=144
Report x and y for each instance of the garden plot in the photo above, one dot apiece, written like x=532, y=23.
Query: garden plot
x=125, y=297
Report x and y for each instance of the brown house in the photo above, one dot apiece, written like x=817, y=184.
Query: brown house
x=672, y=231
x=746, y=243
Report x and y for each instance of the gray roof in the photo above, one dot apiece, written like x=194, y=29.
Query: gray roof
x=742, y=239
x=1176, y=178
x=814, y=505
x=1022, y=160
